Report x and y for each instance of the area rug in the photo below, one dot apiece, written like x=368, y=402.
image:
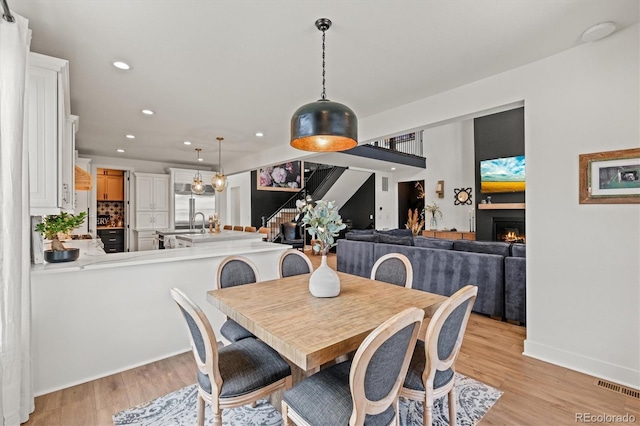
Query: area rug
x=179, y=409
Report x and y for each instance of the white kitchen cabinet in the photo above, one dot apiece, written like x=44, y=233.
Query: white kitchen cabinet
x=50, y=135
x=147, y=240
x=152, y=201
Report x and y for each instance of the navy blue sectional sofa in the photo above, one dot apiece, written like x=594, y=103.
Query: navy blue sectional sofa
x=444, y=266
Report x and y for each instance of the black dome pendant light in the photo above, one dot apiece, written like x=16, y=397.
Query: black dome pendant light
x=324, y=125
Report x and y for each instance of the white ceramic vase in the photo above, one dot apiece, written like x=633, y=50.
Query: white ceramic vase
x=324, y=281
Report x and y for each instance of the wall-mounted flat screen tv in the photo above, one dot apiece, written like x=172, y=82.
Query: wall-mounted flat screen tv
x=502, y=175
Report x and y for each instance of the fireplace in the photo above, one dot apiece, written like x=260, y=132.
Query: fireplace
x=508, y=229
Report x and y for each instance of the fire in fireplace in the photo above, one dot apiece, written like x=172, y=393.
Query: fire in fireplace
x=510, y=230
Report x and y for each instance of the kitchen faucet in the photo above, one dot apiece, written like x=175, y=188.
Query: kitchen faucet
x=203, y=220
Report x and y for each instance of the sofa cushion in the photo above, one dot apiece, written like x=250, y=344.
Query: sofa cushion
x=395, y=239
x=397, y=232
x=487, y=247
x=355, y=257
x=362, y=236
x=446, y=271
x=437, y=243
x=518, y=250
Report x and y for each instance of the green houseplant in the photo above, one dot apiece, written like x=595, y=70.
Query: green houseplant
x=53, y=227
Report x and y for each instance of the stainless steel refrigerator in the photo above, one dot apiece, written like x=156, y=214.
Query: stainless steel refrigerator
x=187, y=205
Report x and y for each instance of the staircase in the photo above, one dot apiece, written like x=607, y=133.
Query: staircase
x=316, y=184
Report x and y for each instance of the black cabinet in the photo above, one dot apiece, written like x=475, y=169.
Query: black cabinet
x=113, y=240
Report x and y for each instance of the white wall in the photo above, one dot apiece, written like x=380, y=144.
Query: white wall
x=583, y=269
x=241, y=182
x=449, y=149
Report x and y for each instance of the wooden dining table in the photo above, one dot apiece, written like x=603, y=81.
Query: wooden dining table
x=309, y=331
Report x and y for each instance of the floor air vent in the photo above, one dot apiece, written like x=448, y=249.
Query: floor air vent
x=619, y=389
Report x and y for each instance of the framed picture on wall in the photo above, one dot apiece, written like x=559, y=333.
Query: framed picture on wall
x=281, y=177
x=610, y=177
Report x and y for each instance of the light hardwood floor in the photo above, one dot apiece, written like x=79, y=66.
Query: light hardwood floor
x=535, y=392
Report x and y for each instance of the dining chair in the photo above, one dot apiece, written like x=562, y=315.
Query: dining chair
x=250, y=229
x=227, y=227
x=238, y=228
x=234, y=375
x=294, y=262
x=431, y=373
x=393, y=268
x=233, y=271
x=366, y=387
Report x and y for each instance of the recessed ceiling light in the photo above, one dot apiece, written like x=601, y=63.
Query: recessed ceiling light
x=187, y=143
x=130, y=136
x=259, y=134
x=598, y=31
x=200, y=159
x=393, y=168
x=148, y=112
x=120, y=150
x=121, y=65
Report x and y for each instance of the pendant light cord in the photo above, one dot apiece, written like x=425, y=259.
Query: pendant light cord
x=324, y=94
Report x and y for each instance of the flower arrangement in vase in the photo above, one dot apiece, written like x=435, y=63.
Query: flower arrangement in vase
x=434, y=209
x=323, y=223
x=414, y=222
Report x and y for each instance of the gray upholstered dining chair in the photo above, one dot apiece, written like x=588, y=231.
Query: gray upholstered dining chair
x=393, y=268
x=431, y=373
x=234, y=375
x=294, y=262
x=233, y=271
x=365, y=388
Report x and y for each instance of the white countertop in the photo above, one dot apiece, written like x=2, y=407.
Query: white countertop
x=93, y=260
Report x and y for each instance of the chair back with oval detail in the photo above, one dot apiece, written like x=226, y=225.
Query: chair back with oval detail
x=393, y=268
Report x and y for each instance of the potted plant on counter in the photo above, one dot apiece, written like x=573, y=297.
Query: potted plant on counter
x=55, y=228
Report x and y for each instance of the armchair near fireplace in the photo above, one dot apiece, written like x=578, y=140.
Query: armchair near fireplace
x=291, y=233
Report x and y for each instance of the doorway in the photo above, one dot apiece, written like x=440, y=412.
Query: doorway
x=409, y=198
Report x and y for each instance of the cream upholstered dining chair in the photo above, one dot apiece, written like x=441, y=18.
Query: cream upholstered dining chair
x=431, y=373
x=393, y=268
x=234, y=375
x=250, y=229
x=368, y=386
x=294, y=262
x=233, y=271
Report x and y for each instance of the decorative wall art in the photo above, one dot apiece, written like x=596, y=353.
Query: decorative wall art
x=461, y=196
x=610, y=177
x=281, y=177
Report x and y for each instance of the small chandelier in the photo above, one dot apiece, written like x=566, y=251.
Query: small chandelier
x=324, y=125
x=219, y=181
x=197, y=187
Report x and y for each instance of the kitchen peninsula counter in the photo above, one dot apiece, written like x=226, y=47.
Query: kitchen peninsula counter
x=96, y=260
x=104, y=314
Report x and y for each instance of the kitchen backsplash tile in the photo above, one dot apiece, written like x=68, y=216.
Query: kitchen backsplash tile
x=112, y=208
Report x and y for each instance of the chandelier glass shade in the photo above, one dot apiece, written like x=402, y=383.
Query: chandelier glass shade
x=219, y=181
x=197, y=186
x=324, y=125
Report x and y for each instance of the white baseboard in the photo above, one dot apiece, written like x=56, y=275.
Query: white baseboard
x=591, y=366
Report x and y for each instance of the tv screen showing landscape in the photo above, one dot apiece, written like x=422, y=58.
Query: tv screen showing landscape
x=502, y=175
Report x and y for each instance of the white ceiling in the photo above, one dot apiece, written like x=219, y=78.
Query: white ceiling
x=233, y=68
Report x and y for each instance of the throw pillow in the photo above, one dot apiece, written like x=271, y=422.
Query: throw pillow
x=394, y=239
x=397, y=232
x=488, y=247
x=436, y=243
x=355, y=236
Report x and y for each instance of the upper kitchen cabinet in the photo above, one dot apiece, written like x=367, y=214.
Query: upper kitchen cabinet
x=109, y=185
x=152, y=201
x=50, y=135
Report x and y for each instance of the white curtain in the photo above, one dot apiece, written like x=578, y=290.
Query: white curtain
x=16, y=388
